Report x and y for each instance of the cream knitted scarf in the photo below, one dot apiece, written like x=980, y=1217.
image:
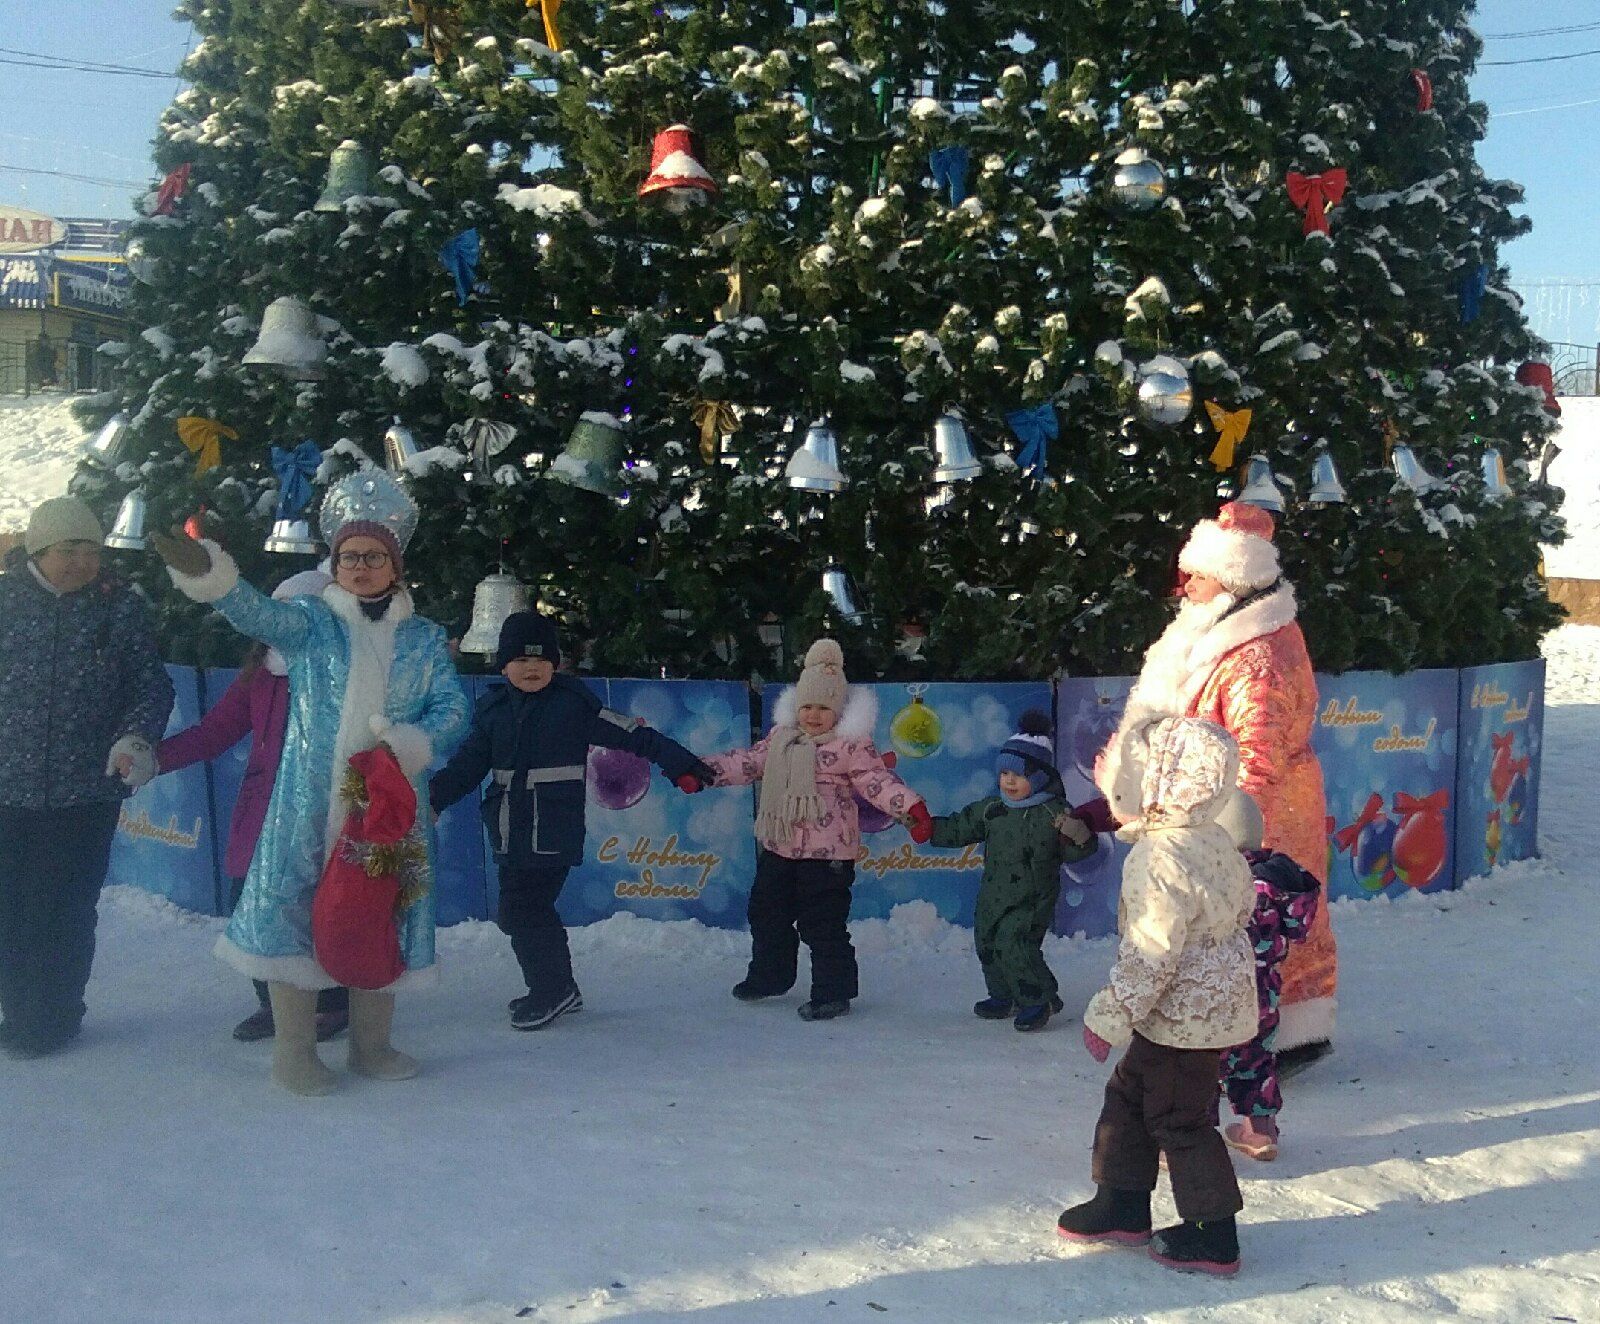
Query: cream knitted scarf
x=789, y=796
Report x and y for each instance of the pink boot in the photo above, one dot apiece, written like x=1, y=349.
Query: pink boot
x=1255, y=1137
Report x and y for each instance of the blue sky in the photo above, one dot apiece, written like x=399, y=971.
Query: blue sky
x=1545, y=131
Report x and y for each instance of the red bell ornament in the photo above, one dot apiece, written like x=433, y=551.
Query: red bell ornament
x=1535, y=373
x=677, y=174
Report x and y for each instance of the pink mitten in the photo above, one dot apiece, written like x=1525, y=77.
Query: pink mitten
x=1098, y=1048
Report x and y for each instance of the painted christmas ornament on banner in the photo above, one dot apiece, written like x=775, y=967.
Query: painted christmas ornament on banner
x=1139, y=181
x=1165, y=394
x=1421, y=842
x=917, y=731
x=617, y=779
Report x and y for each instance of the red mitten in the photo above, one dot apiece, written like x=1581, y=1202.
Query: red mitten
x=920, y=824
x=1098, y=1048
x=689, y=784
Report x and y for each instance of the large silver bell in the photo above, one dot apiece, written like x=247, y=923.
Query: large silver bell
x=349, y=176
x=399, y=448
x=127, y=534
x=593, y=456
x=1326, y=489
x=141, y=266
x=1494, y=475
x=842, y=593
x=290, y=340
x=958, y=462
x=1260, y=487
x=291, y=537
x=496, y=597
x=108, y=444
x=1139, y=182
x=814, y=467
x=1410, y=469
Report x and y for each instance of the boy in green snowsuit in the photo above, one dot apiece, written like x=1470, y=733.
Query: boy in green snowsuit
x=1027, y=834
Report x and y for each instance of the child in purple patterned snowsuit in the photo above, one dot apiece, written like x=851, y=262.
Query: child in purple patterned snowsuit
x=1286, y=903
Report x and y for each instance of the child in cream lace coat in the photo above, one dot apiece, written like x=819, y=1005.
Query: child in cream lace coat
x=1182, y=988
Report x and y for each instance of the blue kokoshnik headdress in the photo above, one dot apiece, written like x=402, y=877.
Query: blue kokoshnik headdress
x=369, y=496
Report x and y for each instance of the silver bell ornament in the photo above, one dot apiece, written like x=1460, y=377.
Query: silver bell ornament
x=109, y=444
x=290, y=340
x=1494, y=475
x=1410, y=469
x=1260, y=487
x=1165, y=394
x=399, y=448
x=958, y=462
x=842, y=594
x=291, y=537
x=593, y=456
x=814, y=467
x=349, y=176
x=127, y=534
x=496, y=597
x=1326, y=489
x=1138, y=180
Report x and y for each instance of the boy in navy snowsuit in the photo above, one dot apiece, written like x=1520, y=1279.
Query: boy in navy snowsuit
x=534, y=735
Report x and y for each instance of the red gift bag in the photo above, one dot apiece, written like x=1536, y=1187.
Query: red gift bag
x=354, y=928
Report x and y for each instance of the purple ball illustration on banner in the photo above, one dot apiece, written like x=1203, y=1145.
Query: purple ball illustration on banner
x=618, y=779
x=873, y=819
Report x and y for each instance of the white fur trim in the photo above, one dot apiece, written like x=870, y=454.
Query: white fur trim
x=365, y=692
x=347, y=607
x=305, y=972
x=141, y=755
x=1240, y=561
x=1264, y=616
x=413, y=751
x=1308, y=1022
x=857, y=722
x=301, y=971
x=217, y=582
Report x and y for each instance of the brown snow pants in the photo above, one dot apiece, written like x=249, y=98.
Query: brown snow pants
x=1162, y=1099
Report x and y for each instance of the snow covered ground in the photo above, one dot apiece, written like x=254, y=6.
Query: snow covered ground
x=670, y=1153
x=39, y=443
x=1577, y=470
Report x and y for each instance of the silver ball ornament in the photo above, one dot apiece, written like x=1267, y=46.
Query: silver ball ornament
x=1139, y=181
x=1165, y=394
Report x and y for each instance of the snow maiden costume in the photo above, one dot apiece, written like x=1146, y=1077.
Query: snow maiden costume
x=1240, y=661
x=360, y=674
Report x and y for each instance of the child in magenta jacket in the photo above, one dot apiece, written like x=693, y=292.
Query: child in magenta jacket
x=255, y=705
x=817, y=758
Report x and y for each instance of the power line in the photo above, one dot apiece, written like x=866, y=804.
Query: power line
x=1540, y=59
x=39, y=60
x=77, y=179
x=1534, y=110
x=1539, y=32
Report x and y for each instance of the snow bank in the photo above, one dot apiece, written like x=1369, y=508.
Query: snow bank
x=1577, y=470
x=39, y=445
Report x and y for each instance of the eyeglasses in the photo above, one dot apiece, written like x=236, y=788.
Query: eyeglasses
x=372, y=560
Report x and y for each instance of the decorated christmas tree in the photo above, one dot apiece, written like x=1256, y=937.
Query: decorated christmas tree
x=931, y=324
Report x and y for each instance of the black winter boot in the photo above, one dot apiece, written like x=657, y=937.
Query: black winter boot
x=1117, y=1216
x=994, y=1009
x=1209, y=1247
x=823, y=1011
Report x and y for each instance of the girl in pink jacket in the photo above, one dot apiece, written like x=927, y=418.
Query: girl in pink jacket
x=817, y=758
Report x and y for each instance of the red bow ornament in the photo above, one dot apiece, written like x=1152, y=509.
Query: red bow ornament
x=1424, y=89
x=1345, y=838
x=171, y=192
x=1314, y=194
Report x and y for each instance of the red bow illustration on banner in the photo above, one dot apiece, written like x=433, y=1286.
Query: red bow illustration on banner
x=173, y=187
x=1424, y=89
x=1345, y=837
x=1407, y=805
x=1314, y=194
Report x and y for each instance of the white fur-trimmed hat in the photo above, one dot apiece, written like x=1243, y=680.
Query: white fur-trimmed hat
x=1236, y=549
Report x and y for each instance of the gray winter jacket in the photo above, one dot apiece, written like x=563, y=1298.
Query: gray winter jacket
x=77, y=673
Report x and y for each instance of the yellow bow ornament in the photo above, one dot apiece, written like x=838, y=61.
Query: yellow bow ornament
x=1231, y=429
x=715, y=417
x=203, y=437
x=548, y=9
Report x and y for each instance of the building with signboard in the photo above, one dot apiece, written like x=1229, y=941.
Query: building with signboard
x=63, y=293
